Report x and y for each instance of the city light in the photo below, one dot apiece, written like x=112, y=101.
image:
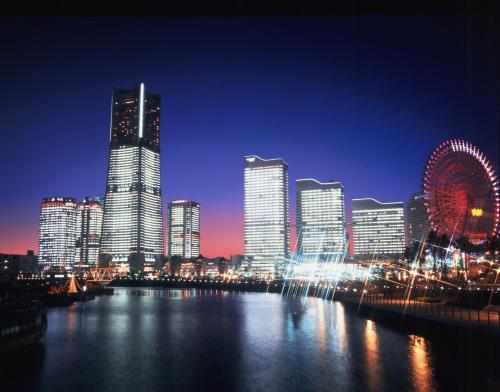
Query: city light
x=365, y=258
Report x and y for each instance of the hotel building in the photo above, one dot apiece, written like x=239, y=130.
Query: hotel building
x=183, y=229
x=88, y=231
x=267, y=223
x=321, y=228
x=417, y=224
x=132, y=230
x=56, y=238
x=378, y=228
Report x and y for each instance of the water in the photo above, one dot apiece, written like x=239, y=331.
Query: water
x=169, y=340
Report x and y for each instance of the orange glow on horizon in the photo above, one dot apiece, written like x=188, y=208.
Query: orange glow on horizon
x=221, y=235
x=17, y=240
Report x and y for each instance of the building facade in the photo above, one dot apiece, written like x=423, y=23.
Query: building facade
x=88, y=231
x=266, y=220
x=57, y=232
x=183, y=229
x=378, y=229
x=132, y=230
x=26, y=264
x=417, y=223
x=321, y=227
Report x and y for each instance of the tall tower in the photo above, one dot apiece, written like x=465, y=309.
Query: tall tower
x=378, y=228
x=267, y=221
x=184, y=229
x=56, y=238
x=132, y=230
x=88, y=231
x=321, y=228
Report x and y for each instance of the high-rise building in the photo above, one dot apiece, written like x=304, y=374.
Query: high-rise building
x=267, y=223
x=56, y=238
x=78, y=234
x=183, y=229
x=417, y=224
x=378, y=228
x=88, y=231
x=132, y=230
x=321, y=228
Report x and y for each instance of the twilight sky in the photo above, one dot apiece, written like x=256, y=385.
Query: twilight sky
x=361, y=100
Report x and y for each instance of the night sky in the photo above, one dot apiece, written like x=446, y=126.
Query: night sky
x=361, y=100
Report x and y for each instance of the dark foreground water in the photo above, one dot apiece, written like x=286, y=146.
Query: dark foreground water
x=169, y=340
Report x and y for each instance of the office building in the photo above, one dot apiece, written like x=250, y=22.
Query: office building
x=132, y=230
x=417, y=224
x=56, y=238
x=266, y=214
x=88, y=231
x=321, y=228
x=183, y=229
x=378, y=229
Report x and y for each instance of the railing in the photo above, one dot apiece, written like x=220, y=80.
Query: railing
x=454, y=312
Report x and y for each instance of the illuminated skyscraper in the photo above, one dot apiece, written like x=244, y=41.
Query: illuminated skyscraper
x=132, y=231
x=56, y=238
x=88, y=231
x=321, y=229
x=417, y=224
x=183, y=229
x=378, y=228
x=266, y=213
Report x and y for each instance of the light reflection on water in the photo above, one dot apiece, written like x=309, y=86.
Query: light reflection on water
x=373, y=367
x=155, y=339
x=171, y=293
x=419, y=360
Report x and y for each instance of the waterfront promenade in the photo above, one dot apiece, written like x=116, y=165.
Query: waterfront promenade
x=485, y=319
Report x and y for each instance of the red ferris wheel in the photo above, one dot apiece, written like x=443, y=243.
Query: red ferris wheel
x=462, y=191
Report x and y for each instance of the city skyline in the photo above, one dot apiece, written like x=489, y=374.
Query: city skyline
x=270, y=203
x=243, y=117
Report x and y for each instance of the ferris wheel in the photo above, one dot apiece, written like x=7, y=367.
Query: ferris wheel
x=462, y=192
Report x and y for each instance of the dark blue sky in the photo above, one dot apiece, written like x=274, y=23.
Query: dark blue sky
x=361, y=100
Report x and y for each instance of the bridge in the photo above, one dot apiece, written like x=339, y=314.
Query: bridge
x=102, y=274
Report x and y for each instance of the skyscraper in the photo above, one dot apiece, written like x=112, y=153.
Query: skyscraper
x=132, y=231
x=378, y=228
x=183, y=229
x=321, y=229
x=88, y=231
x=266, y=213
x=56, y=239
x=417, y=224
